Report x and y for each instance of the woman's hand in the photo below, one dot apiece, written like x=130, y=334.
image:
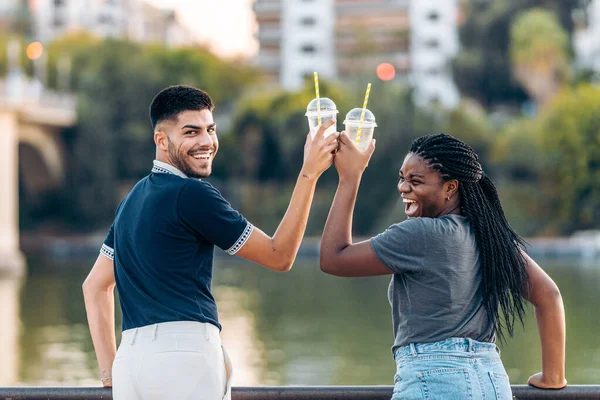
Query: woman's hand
x=318, y=152
x=540, y=381
x=349, y=161
x=106, y=382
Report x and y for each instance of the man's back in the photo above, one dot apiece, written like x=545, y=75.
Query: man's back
x=164, y=233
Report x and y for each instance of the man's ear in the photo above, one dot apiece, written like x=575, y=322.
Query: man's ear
x=161, y=140
x=451, y=188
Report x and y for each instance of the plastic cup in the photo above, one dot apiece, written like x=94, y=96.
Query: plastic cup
x=352, y=122
x=328, y=112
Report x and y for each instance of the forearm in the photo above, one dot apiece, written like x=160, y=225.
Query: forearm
x=288, y=236
x=337, y=233
x=550, y=318
x=100, y=308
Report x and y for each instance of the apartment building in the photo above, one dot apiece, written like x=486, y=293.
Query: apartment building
x=433, y=44
x=132, y=19
x=296, y=39
x=343, y=38
x=586, y=39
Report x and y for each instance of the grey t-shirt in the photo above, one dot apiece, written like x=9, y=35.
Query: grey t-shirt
x=435, y=292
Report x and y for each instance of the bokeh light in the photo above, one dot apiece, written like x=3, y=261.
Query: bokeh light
x=34, y=50
x=386, y=71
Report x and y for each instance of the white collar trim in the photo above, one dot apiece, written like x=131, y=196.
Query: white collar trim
x=164, y=168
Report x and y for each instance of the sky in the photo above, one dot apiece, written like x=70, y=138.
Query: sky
x=227, y=26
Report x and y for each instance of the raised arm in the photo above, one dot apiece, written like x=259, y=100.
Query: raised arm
x=550, y=315
x=279, y=252
x=98, y=292
x=338, y=255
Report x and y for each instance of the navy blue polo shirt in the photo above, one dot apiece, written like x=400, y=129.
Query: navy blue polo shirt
x=162, y=243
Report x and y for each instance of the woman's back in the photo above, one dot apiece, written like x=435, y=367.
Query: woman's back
x=435, y=291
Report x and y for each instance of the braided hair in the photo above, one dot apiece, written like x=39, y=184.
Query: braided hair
x=504, y=275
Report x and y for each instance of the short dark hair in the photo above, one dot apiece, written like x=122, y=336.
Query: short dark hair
x=171, y=101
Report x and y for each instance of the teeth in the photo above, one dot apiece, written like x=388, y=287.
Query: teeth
x=408, y=201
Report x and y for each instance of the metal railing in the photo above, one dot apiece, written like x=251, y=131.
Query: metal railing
x=520, y=392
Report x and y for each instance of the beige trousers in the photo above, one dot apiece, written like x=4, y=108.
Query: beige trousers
x=172, y=360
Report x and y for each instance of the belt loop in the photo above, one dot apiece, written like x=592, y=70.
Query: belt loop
x=470, y=345
x=154, y=329
x=135, y=331
x=413, y=350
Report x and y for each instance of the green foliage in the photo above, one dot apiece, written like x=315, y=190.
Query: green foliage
x=268, y=138
x=111, y=146
x=482, y=69
x=569, y=136
x=550, y=166
x=539, y=54
x=537, y=34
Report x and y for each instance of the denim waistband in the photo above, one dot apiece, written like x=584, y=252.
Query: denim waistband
x=453, y=344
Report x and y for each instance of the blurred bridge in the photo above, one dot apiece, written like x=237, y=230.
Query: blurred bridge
x=31, y=121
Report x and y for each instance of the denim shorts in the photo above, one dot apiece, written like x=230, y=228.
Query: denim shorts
x=452, y=369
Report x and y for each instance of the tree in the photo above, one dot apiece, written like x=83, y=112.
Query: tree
x=539, y=54
x=569, y=135
x=482, y=69
x=111, y=145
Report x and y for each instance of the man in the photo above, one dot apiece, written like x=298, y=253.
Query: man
x=159, y=253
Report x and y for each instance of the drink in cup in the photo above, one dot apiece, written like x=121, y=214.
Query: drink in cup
x=352, y=122
x=328, y=110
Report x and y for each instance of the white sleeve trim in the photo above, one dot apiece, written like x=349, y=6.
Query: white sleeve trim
x=241, y=240
x=107, y=252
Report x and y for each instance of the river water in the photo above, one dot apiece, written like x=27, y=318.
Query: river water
x=298, y=328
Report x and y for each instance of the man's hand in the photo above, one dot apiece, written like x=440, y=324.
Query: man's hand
x=318, y=152
x=539, y=381
x=349, y=161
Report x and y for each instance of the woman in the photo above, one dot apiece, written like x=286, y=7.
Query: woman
x=460, y=278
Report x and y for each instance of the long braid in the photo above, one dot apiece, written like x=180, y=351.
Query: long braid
x=504, y=276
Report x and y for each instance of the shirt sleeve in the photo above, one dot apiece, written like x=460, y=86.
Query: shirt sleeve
x=108, y=247
x=203, y=210
x=403, y=246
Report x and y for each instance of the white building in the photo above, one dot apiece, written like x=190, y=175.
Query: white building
x=586, y=39
x=346, y=38
x=433, y=43
x=132, y=19
x=296, y=38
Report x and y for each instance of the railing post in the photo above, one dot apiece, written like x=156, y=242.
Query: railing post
x=11, y=259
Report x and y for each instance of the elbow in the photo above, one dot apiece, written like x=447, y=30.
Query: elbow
x=327, y=265
x=326, y=261
x=91, y=288
x=550, y=298
x=86, y=287
x=283, y=265
x=329, y=270
x=286, y=267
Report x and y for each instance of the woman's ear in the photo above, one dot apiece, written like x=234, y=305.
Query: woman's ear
x=450, y=188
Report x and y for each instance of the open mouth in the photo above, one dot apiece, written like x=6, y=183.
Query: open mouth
x=409, y=206
x=202, y=156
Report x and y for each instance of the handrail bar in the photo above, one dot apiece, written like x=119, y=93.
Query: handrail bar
x=520, y=392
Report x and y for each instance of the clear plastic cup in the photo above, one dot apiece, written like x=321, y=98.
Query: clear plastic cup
x=328, y=111
x=368, y=127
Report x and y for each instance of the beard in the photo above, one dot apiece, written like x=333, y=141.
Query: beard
x=179, y=161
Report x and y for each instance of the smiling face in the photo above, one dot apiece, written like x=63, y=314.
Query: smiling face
x=189, y=143
x=423, y=191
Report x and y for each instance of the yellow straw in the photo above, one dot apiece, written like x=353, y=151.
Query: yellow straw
x=318, y=99
x=362, y=114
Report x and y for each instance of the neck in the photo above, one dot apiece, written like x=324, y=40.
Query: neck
x=452, y=208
